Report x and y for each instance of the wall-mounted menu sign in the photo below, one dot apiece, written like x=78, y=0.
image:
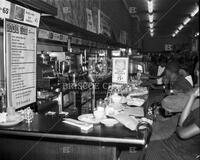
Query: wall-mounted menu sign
x=45, y=34
x=120, y=70
x=20, y=45
x=18, y=13
x=5, y=9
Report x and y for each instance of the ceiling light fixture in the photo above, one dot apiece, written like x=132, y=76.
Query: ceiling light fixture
x=150, y=6
x=195, y=11
x=176, y=31
x=151, y=30
x=151, y=25
x=173, y=35
x=186, y=21
x=197, y=34
x=151, y=18
x=180, y=27
x=151, y=34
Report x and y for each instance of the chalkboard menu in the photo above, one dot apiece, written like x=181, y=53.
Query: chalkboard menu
x=20, y=51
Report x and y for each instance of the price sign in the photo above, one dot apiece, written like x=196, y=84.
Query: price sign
x=120, y=70
x=4, y=9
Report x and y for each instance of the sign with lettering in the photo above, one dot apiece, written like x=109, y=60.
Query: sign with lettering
x=104, y=24
x=168, y=47
x=4, y=9
x=18, y=13
x=20, y=45
x=120, y=70
x=25, y=15
x=123, y=37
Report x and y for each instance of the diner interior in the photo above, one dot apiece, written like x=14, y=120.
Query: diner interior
x=99, y=80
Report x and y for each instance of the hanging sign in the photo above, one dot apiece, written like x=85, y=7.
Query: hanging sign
x=104, y=24
x=45, y=34
x=18, y=13
x=90, y=24
x=123, y=37
x=4, y=9
x=42, y=33
x=25, y=15
x=20, y=52
x=120, y=70
x=168, y=47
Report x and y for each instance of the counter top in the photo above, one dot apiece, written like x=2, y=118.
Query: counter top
x=52, y=127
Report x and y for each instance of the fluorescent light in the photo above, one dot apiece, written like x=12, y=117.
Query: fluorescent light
x=180, y=27
x=151, y=29
x=150, y=6
x=176, y=31
x=195, y=11
x=197, y=34
x=151, y=18
x=173, y=35
x=150, y=25
x=151, y=34
x=186, y=20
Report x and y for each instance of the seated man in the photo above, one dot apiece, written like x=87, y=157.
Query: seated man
x=184, y=144
x=175, y=103
x=174, y=83
x=184, y=72
x=177, y=83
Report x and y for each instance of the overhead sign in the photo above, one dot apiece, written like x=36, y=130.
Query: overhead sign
x=20, y=52
x=123, y=37
x=4, y=9
x=90, y=25
x=25, y=15
x=168, y=47
x=120, y=70
x=45, y=34
x=18, y=13
x=132, y=10
x=104, y=24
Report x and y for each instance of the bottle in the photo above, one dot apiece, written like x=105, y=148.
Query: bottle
x=3, y=100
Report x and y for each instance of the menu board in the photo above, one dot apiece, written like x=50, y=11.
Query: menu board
x=120, y=70
x=20, y=51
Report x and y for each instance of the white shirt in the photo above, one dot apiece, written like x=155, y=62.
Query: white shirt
x=189, y=79
x=160, y=71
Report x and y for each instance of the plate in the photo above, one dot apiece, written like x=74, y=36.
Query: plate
x=88, y=118
x=11, y=123
x=109, y=122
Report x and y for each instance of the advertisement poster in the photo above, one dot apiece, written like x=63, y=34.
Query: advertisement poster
x=5, y=7
x=20, y=51
x=123, y=37
x=120, y=70
x=18, y=13
x=90, y=24
x=104, y=24
x=25, y=15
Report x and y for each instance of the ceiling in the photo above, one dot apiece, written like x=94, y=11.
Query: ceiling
x=168, y=15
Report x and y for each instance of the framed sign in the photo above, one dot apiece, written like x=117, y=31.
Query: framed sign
x=20, y=52
x=120, y=70
x=18, y=13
